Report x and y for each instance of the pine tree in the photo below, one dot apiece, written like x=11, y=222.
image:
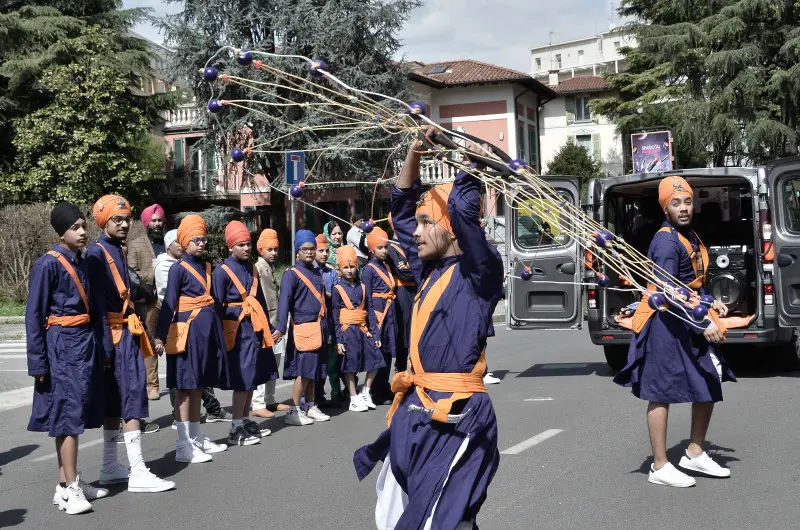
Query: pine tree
x=574, y=160
x=723, y=74
x=356, y=38
x=35, y=35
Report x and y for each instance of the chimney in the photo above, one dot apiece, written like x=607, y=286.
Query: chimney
x=553, y=81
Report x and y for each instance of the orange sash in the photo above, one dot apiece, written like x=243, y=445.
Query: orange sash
x=389, y=297
x=462, y=385
x=117, y=321
x=308, y=336
x=250, y=308
x=179, y=331
x=69, y=321
x=699, y=261
x=349, y=315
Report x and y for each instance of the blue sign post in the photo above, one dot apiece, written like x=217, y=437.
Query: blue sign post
x=295, y=172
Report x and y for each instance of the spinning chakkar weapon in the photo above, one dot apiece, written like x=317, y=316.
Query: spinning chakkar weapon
x=357, y=115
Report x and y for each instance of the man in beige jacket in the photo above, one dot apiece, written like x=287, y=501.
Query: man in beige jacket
x=142, y=253
x=264, y=396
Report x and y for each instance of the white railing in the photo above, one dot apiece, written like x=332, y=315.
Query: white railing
x=185, y=116
x=432, y=172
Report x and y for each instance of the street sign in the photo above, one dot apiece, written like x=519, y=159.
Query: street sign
x=295, y=167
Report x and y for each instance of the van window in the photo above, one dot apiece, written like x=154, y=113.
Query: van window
x=539, y=222
x=791, y=197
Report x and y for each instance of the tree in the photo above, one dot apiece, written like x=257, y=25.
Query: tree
x=356, y=38
x=90, y=139
x=723, y=74
x=575, y=160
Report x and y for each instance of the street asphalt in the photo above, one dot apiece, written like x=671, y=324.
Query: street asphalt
x=577, y=455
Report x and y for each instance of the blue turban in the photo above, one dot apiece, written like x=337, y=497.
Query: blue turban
x=302, y=237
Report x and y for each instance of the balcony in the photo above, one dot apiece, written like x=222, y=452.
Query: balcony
x=184, y=117
x=432, y=172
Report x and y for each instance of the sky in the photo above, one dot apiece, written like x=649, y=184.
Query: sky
x=498, y=32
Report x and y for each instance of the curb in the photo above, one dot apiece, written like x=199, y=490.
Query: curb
x=12, y=320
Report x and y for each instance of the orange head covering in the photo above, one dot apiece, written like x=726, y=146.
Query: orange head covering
x=434, y=203
x=671, y=187
x=377, y=237
x=267, y=239
x=107, y=207
x=191, y=226
x=236, y=232
x=322, y=241
x=346, y=255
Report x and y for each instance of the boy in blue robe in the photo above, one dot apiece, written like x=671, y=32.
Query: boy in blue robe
x=440, y=450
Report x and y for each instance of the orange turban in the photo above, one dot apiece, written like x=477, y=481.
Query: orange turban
x=671, y=187
x=107, y=207
x=191, y=226
x=322, y=242
x=377, y=237
x=434, y=203
x=267, y=239
x=346, y=255
x=236, y=232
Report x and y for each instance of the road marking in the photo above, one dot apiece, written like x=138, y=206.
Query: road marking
x=13, y=399
x=7, y=370
x=13, y=356
x=530, y=442
x=80, y=448
x=539, y=399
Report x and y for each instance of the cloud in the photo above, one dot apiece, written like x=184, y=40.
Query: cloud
x=494, y=31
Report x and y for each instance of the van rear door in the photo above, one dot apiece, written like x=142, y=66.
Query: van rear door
x=551, y=299
x=783, y=179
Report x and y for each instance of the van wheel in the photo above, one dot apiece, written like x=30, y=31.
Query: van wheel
x=789, y=354
x=616, y=357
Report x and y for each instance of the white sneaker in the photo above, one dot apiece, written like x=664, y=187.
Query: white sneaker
x=357, y=404
x=143, y=481
x=705, y=465
x=489, y=379
x=298, y=417
x=191, y=452
x=115, y=475
x=73, y=501
x=90, y=492
x=317, y=415
x=669, y=475
x=366, y=399
x=210, y=447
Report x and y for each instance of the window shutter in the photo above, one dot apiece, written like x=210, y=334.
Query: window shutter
x=596, y=147
x=178, y=158
x=569, y=104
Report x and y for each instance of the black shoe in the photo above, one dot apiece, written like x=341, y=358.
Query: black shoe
x=252, y=428
x=240, y=436
x=339, y=397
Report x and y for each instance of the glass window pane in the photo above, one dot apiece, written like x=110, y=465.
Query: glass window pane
x=791, y=197
x=539, y=222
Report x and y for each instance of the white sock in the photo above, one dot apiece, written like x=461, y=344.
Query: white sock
x=365, y=389
x=133, y=445
x=194, y=430
x=183, y=431
x=109, y=449
x=238, y=423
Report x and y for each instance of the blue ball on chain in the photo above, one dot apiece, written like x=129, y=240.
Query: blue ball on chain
x=237, y=155
x=517, y=164
x=315, y=66
x=210, y=73
x=416, y=108
x=657, y=302
x=214, y=106
x=245, y=57
x=526, y=274
x=296, y=191
x=602, y=280
x=707, y=300
x=700, y=312
x=368, y=226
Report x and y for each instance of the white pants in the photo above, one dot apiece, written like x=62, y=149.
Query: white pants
x=265, y=394
x=392, y=500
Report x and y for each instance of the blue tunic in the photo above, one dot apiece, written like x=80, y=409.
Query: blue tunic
x=405, y=295
x=669, y=361
x=71, y=397
x=421, y=450
x=249, y=365
x=357, y=356
x=125, y=392
x=375, y=284
x=298, y=301
x=203, y=364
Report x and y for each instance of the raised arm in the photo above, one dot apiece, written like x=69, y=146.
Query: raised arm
x=480, y=260
x=36, y=313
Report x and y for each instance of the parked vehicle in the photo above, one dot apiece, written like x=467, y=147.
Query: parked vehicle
x=748, y=218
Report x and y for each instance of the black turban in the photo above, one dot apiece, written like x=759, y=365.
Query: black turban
x=64, y=216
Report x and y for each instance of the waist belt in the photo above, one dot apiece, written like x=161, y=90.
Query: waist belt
x=405, y=283
x=68, y=321
x=194, y=303
x=354, y=317
x=251, y=308
x=117, y=321
x=462, y=385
